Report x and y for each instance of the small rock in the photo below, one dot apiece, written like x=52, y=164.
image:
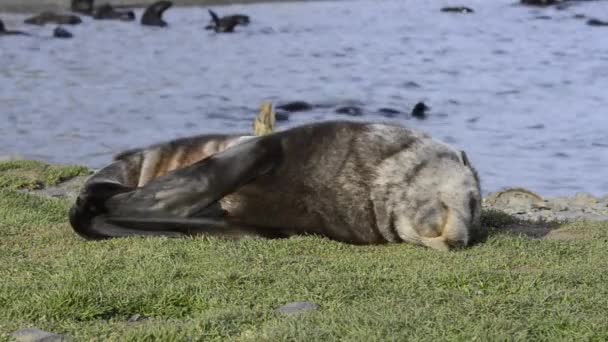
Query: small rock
x=68, y=189
x=134, y=318
x=36, y=335
x=584, y=199
x=541, y=206
x=515, y=199
x=296, y=308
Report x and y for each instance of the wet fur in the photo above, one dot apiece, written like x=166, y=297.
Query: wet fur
x=359, y=183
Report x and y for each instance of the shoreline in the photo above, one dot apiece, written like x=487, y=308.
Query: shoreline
x=519, y=203
x=34, y=6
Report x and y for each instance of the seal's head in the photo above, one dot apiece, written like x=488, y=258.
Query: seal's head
x=419, y=110
x=60, y=32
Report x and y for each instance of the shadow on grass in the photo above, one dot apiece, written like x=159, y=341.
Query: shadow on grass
x=500, y=223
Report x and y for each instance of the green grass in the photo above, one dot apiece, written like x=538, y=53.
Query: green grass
x=29, y=174
x=509, y=287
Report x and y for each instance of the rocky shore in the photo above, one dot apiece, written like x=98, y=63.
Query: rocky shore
x=527, y=205
x=518, y=202
x=27, y=6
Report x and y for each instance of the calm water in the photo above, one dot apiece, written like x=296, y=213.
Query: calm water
x=526, y=98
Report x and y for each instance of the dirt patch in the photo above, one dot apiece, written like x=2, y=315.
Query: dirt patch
x=564, y=235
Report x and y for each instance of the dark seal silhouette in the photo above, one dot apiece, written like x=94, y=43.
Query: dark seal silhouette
x=5, y=32
x=226, y=23
x=540, y=3
x=60, y=32
x=388, y=112
x=53, y=18
x=349, y=110
x=108, y=12
x=419, y=110
x=354, y=182
x=154, y=13
x=597, y=22
x=295, y=106
x=82, y=6
x=458, y=9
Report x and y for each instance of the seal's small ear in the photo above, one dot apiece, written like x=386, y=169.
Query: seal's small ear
x=465, y=159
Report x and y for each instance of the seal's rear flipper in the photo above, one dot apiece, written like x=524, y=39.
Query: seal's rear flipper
x=215, y=18
x=180, y=195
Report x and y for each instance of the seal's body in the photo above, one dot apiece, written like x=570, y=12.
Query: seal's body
x=108, y=12
x=359, y=183
x=5, y=32
x=53, y=18
x=226, y=23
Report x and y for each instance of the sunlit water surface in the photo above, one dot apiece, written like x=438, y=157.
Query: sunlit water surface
x=527, y=98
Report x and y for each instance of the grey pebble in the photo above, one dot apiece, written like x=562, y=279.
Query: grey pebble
x=36, y=335
x=296, y=308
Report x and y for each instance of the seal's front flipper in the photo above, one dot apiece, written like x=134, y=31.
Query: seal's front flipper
x=185, y=193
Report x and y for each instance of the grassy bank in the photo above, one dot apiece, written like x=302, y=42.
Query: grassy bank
x=507, y=288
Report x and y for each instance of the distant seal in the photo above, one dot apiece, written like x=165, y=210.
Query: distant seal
x=5, y=32
x=82, y=6
x=349, y=110
x=354, y=182
x=153, y=14
x=597, y=22
x=458, y=9
x=389, y=112
x=295, y=106
x=226, y=23
x=53, y=18
x=539, y=2
x=419, y=110
x=60, y=32
x=108, y=12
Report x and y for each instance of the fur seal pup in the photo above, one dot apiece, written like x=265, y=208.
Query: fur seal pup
x=107, y=12
x=355, y=182
x=82, y=6
x=53, y=18
x=226, y=23
x=5, y=32
x=153, y=14
x=458, y=9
